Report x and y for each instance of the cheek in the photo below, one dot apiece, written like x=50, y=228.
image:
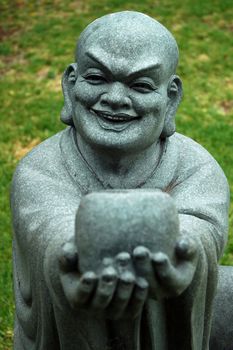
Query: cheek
x=87, y=94
x=150, y=104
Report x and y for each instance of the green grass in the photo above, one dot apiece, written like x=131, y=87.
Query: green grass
x=37, y=43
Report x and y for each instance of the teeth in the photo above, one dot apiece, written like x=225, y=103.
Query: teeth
x=115, y=118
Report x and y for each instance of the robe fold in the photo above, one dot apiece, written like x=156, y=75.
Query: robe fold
x=47, y=187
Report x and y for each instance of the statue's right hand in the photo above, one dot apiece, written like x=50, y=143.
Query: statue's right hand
x=85, y=290
x=115, y=293
x=77, y=288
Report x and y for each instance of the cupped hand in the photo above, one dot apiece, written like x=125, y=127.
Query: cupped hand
x=130, y=292
x=115, y=293
x=166, y=278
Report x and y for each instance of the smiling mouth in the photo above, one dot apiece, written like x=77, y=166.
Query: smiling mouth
x=114, y=121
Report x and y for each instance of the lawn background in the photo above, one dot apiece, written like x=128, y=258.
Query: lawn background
x=37, y=41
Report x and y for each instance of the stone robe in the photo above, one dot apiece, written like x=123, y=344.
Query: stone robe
x=47, y=187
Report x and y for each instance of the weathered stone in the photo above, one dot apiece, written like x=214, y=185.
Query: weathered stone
x=123, y=220
x=121, y=97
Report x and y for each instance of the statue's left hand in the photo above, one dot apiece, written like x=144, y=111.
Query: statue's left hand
x=166, y=279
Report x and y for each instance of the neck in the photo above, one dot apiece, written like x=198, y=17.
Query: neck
x=120, y=170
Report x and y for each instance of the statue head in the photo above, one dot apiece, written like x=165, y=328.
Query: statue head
x=123, y=92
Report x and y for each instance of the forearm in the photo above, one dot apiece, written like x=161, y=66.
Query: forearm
x=61, y=234
x=210, y=237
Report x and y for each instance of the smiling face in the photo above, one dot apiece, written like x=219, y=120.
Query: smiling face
x=120, y=96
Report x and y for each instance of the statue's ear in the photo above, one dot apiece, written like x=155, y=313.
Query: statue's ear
x=68, y=81
x=174, y=92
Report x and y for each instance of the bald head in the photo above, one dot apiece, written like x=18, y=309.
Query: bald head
x=126, y=34
x=126, y=64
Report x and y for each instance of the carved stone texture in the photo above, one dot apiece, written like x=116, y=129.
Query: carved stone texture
x=121, y=97
x=123, y=220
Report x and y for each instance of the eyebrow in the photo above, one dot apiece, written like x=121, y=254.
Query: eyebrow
x=145, y=69
x=97, y=60
x=131, y=74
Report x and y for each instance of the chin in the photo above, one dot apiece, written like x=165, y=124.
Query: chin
x=119, y=143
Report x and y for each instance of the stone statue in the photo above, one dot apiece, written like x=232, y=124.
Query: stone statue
x=137, y=292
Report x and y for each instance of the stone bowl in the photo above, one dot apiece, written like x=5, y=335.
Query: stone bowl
x=115, y=221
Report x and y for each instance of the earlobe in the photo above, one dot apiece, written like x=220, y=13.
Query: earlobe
x=68, y=80
x=174, y=93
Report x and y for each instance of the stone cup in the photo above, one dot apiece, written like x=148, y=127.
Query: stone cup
x=111, y=222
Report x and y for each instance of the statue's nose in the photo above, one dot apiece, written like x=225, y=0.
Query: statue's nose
x=116, y=97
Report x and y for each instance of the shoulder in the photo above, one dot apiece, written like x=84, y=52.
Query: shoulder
x=43, y=163
x=43, y=156
x=190, y=150
x=196, y=170
x=191, y=155
x=47, y=158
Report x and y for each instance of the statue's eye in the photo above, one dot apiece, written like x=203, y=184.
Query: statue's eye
x=143, y=87
x=95, y=79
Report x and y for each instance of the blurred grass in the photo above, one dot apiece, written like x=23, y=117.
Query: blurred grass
x=37, y=40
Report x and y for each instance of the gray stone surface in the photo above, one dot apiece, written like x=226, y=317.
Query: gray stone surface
x=121, y=97
x=123, y=220
x=222, y=327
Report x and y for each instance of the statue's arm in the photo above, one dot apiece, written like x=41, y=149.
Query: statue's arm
x=44, y=210
x=202, y=200
x=201, y=196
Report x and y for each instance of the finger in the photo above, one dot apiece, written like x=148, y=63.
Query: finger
x=138, y=297
x=173, y=279
x=122, y=294
x=161, y=262
x=123, y=261
x=164, y=270
x=186, y=248
x=141, y=256
x=85, y=288
x=105, y=288
x=68, y=257
x=125, y=286
x=77, y=291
